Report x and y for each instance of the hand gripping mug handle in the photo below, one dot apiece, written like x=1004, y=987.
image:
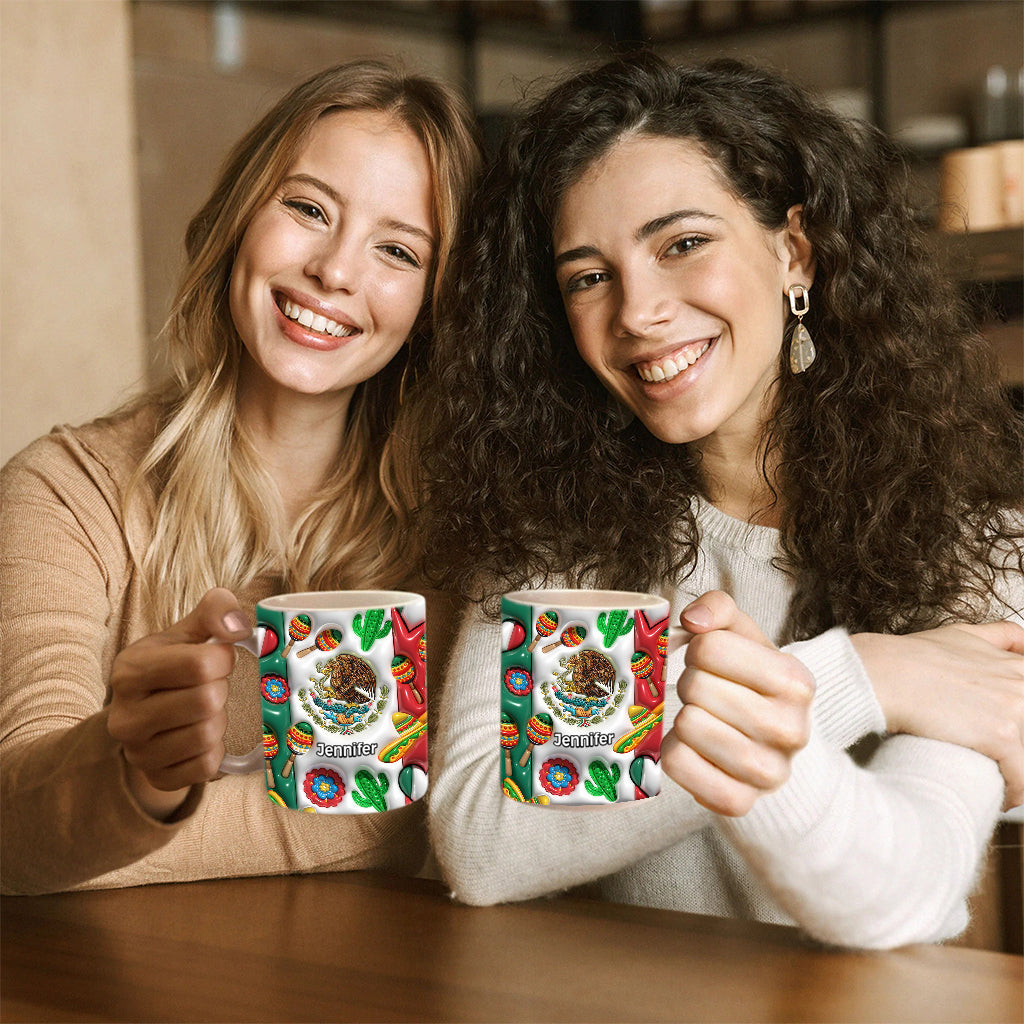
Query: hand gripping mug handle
x=243, y=764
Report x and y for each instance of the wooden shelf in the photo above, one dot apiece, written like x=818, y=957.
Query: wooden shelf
x=987, y=257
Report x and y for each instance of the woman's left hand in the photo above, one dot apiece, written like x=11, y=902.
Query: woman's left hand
x=746, y=710
x=959, y=683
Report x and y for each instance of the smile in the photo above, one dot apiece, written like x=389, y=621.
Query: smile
x=672, y=365
x=314, y=321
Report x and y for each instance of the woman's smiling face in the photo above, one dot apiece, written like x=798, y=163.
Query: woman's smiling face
x=674, y=292
x=332, y=270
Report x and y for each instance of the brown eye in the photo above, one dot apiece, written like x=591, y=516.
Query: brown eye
x=309, y=210
x=398, y=252
x=586, y=281
x=683, y=246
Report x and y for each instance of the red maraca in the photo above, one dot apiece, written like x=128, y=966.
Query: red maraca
x=509, y=738
x=298, y=629
x=538, y=730
x=299, y=740
x=663, y=643
x=270, y=749
x=572, y=636
x=326, y=640
x=642, y=666
x=404, y=671
x=547, y=623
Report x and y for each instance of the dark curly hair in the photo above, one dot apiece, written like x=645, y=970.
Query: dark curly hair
x=899, y=457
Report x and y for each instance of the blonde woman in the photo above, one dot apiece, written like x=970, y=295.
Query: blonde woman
x=277, y=458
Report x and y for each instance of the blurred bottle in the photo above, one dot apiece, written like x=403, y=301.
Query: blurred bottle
x=999, y=107
x=1017, y=108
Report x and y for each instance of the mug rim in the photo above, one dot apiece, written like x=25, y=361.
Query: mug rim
x=338, y=600
x=584, y=598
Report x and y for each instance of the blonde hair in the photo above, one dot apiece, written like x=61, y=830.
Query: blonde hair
x=216, y=514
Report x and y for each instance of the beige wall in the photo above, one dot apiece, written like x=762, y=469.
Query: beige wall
x=191, y=111
x=71, y=341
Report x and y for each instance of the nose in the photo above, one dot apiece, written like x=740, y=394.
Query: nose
x=335, y=263
x=644, y=304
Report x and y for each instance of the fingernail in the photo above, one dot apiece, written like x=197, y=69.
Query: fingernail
x=699, y=615
x=235, y=622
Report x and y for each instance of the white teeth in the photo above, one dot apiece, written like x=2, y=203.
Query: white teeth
x=314, y=321
x=667, y=368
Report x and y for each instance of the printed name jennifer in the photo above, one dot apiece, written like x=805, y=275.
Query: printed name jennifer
x=592, y=739
x=345, y=749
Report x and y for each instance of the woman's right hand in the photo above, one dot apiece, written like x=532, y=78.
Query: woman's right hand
x=960, y=683
x=746, y=710
x=167, y=708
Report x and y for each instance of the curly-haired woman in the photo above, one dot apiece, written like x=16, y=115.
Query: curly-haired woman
x=278, y=458
x=700, y=347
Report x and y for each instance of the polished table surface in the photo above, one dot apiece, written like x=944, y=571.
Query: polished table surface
x=368, y=947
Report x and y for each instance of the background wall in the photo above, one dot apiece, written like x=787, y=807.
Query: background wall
x=71, y=338
x=117, y=114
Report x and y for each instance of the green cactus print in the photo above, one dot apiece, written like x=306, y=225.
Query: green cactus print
x=372, y=790
x=613, y=624
x=605, y=780
x=370, y=630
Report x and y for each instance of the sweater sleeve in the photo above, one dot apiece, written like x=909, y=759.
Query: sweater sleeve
x=845, y=707
x=68, y=815
x=885, y=854
x=492, y=849
x=879, y=856
x=69, y=819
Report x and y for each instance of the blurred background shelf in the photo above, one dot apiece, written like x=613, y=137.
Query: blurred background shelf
x=987, y=256
x=592, y=27
x=990, y=267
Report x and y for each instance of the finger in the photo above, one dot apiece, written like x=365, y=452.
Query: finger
x=704, y=781
x=200, y=742
x=748, y=663
x=137, y=722
x=201, y=768
x=717, y=610
x=1007, y=636
x=218, y=616
x=147, y=667
x=770, y=721
x=753, y=764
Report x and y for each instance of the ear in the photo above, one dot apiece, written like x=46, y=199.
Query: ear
x=799, y=249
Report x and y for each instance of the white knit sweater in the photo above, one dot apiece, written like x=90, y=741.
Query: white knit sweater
x=874, y=856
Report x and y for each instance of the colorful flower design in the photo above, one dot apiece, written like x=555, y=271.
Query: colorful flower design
x=274, y=688
x=518, y=681
x=324, y=787
x=559, y=776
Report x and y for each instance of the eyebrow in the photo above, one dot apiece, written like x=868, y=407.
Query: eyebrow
x=642, y=234
x=335, y=197
x=652, y=227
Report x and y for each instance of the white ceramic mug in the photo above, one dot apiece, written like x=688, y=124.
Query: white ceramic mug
x=582, y=695
x=343, y=692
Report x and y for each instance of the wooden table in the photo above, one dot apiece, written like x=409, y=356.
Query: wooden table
x=367, y=947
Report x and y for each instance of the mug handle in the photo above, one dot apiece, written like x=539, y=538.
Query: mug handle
x=243, y=764
x=677, y=637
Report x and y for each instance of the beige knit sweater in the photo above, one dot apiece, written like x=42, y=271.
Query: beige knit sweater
x=71, y=600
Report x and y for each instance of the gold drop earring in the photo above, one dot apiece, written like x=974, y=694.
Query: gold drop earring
x=801, y=349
